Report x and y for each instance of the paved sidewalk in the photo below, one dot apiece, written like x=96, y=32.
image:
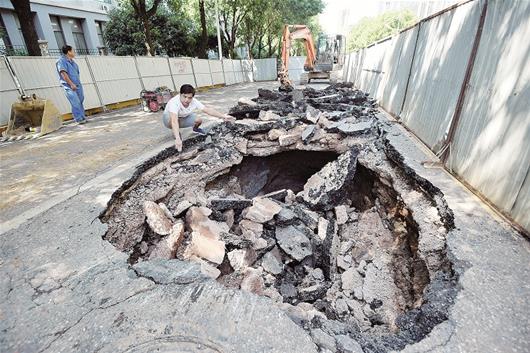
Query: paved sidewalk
x=37, y=174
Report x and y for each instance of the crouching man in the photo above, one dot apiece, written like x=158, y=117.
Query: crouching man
x=180, y=113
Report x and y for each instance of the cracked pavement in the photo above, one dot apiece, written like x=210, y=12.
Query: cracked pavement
x=65, y=289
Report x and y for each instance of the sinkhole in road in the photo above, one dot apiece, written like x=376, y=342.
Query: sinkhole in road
x=325, y=237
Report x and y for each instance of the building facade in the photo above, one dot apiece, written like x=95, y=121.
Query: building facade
x=79, y=23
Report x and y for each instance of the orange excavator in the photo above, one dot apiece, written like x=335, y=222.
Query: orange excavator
x=319, y=64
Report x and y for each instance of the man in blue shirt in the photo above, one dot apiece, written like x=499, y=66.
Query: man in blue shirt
x=71, y=83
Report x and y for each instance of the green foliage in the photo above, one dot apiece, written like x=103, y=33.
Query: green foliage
x=262, y=27
x=370, y=30
x=176, y=28
x=173, y=34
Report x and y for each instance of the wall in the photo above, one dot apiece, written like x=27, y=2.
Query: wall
x=113, y=79
x=419, y=76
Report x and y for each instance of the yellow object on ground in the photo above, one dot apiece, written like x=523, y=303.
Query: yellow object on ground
x=33, y=114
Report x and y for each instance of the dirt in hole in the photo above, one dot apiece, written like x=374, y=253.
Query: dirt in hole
x=257, y=176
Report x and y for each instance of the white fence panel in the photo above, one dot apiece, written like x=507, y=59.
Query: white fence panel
x=442, y=53
x=228, y=68
x=182, y=72
x=398, y=61
x=238, y=70
x=296, y=68
x=265, y=69
x=154, y=72
x=491, y=147
x=372, y=69
x=116, y=78
x=201, y=69
x=248, y=70
x=216, y=69
x=8, y=93
x=38, y=75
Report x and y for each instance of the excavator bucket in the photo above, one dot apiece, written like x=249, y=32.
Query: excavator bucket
x=32, y=114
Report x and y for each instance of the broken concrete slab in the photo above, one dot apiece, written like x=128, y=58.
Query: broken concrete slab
x=327, y=188
x=268, y=115
x=246, y=101
x=240, y=259
x=167, y=247
x=312, y=114
x=279, y=195
x=308, y=133
x=271, y=262
x=294, y=242
x=182, y=207
x=223, y=204
x=250, y=230
x=341, y=214
x=156, y=218
x=207, y=248
x=253, y=281
x=262, y=210
x=289, y=139
x=198, y=221
x=352, y=283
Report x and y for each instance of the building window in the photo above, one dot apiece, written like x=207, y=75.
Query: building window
x=57, y=31
x=79, y=36
x=4, y=37
x=100, y=27
x=19, y=27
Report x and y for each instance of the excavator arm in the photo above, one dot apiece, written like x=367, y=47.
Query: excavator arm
x=290, y=33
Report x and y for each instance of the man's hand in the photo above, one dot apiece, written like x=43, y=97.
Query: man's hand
x=73, y=86
x=178, y=144
x=227, y=117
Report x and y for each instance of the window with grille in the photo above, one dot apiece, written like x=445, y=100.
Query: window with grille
x=57, y=31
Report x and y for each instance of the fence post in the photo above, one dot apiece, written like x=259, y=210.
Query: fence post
x=102, y=105
x=210, y=69
x=398, y=115
x=193, y=71
x=138, y=72
x=171, y=74
x=446, y=148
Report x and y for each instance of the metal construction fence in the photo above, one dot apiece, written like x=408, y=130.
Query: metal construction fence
x=114, y=79
x=460, y=81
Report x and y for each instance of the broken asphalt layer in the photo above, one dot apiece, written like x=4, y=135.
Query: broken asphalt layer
x=65, y=289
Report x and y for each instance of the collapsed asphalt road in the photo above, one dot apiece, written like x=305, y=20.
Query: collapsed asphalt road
x=304, y=205
x=68, y=290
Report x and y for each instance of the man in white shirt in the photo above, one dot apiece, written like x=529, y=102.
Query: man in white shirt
x=180, y=113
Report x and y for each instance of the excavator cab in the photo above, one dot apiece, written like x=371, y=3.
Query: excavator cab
x=321, y=60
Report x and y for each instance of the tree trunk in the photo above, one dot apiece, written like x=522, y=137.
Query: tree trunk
x=144, y=15
x=148, y=39
x=260, y=46
x=25, y=17
x=204, y=32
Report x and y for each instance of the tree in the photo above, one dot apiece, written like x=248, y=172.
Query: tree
x=25, y=17
x=370, y=30
x=204, y=31
x=263, y=24
x=171, y=33
x=144, y=15
x=232, y=13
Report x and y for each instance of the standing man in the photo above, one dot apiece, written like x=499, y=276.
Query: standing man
x=180, y=113
x=71, y=83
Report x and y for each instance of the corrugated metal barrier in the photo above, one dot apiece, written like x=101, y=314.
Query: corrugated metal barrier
x=114, y=79
x=459, y=80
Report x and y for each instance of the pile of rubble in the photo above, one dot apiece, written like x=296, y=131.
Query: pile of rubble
x=300, y=200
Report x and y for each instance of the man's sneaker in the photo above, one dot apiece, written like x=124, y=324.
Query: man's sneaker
x=199, y=131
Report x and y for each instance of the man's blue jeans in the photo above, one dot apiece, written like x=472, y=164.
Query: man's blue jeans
x=76, y=99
